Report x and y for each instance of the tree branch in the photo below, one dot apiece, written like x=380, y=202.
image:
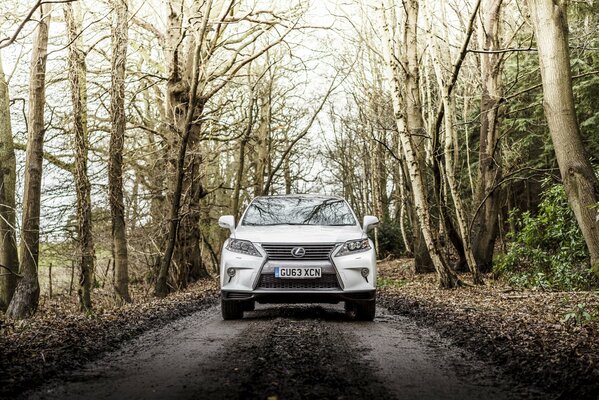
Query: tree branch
x=457, y=66
x=332, y=87
x=52, y=159
x=7, y=41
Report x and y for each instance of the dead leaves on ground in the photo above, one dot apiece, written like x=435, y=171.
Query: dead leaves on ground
x=59, y=337
x=525, y=330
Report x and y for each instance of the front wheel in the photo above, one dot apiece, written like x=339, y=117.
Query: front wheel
x=249, y=305
x=365, y=311
x=231, y=309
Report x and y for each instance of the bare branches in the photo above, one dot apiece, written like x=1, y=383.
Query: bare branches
x=51, y=158
x=457, y=66
x=10, y=40
x=10, y=272
x=303, y=133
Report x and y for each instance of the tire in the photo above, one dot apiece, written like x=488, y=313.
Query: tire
x=350, y=309
x=249, y=305
x=231, y=309
x=365, y=311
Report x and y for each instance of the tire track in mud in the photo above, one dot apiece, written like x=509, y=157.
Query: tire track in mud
x=296, y=354
x=287, y=352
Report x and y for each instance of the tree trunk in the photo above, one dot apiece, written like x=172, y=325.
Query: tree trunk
x=450, y=155
x=261, y=146
x=78, y=84
x=26, y=297
x=489, y=166
x=450, y=161
x=241, y=161
x=447, y=278
x=187, y=250
x=117, y=141
x=415, y=123
x=580, y=183
x=183, y=116
x=9, y=259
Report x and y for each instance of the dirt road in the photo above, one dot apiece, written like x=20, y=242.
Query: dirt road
x=287, y=352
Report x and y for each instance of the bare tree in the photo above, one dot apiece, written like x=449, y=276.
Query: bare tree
x=117, y=139
x=489, y=165
x=26, y=297
x=414, y=119
x=161, y=288
x=451, y=148
x=9, y=260
x=549, y=19
x=189, y=91
x=78, y=86
x=446, y=276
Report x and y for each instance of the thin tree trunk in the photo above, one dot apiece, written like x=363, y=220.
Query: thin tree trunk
x=117, y=140
x=261, y=146
x=241, y=166
x=414, y=122
x=447, y=278
x=26, y=297
x=489, y=165
x=287, y=169
x=450, y=151
x=580, y=183
x=403, y=199
x=78, y=84
x=9, y=259
x=451, y=155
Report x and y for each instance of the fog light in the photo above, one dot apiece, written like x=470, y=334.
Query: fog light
x=365, y=272
x=231, y=272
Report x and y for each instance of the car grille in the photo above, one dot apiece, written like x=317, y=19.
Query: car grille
x=327, y=281
x=314, y=252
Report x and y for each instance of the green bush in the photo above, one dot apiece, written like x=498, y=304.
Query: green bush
x=547, y=250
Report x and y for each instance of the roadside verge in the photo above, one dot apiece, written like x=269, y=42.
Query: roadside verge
x=526, y=332
x=58, y=339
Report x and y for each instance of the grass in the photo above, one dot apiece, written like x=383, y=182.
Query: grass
x=384, y=282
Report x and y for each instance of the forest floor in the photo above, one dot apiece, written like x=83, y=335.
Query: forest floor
x=550, y=339
x=59, y=338
x=424, y=340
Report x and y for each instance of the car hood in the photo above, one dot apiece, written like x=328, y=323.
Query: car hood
x=298, y=233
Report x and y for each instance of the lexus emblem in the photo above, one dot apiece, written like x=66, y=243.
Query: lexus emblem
x=298, y=252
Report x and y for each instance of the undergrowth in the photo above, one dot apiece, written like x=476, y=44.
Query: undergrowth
x=547, y=250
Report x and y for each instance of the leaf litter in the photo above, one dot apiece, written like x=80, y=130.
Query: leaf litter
x=550, y=339
x=60, y=338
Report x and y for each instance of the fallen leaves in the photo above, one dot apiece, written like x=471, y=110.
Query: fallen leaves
x=59, y=337
x=524, y=330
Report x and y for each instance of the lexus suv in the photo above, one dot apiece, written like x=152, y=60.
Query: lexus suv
x=298, y=249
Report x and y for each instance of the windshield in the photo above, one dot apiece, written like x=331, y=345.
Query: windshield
x=290, y=210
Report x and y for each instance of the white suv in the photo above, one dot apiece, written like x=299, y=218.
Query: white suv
x=298, y=249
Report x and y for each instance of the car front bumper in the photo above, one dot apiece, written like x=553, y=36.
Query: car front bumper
x=342, y=279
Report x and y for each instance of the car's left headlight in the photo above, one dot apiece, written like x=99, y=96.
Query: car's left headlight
x=243, y=247
x=353, y=246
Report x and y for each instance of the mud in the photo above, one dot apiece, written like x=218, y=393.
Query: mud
x=288, y=352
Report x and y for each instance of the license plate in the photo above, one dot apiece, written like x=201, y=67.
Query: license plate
x=297, y=273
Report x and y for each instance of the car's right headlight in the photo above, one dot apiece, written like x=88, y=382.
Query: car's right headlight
x=243, y=247
x=353, y=246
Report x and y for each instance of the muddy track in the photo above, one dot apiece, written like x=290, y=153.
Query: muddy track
x=287, y=352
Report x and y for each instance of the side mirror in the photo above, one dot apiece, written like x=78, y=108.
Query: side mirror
x=369, y=223
x=227, y=221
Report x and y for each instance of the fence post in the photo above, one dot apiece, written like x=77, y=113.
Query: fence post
x=50, y=280
x=106, y=273
x=72, y=275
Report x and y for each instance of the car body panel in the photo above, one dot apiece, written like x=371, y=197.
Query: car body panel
x=250, y=271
